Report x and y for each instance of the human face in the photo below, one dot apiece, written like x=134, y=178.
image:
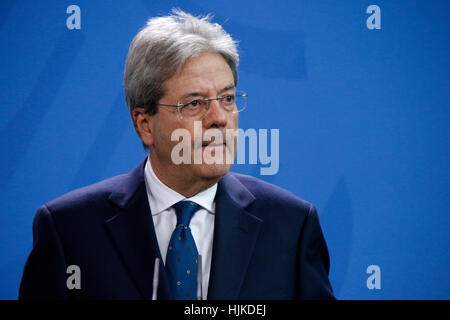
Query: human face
x=207, y=74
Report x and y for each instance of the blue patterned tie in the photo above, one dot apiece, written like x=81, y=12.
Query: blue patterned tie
x=181, y=259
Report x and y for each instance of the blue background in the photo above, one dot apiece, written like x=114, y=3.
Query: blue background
x=363, y=118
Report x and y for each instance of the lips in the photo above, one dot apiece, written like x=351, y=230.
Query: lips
x=215, y=141
x=214, y=138
x=209, y=144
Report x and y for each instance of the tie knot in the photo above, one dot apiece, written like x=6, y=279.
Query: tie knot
x=185, y=210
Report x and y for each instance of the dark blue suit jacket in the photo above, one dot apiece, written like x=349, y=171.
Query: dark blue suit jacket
x=268, y=244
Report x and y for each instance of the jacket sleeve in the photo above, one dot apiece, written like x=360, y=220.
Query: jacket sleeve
x=314, y=261
x=44, y=275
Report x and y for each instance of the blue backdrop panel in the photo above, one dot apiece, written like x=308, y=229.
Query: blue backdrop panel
x=363, y=117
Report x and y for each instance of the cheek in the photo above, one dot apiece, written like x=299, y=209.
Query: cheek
x=234, y=120
x=162, y=137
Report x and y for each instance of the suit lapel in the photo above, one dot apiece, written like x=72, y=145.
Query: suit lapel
x=133, y=233
x=235, y=234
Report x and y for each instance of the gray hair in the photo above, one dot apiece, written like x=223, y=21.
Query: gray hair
x=163, y=46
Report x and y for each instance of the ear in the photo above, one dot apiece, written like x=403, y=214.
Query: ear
x=143, y=124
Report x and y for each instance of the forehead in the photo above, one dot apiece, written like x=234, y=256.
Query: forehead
x=206, y=73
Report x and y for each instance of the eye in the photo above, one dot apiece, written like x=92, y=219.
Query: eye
x=228, y=99
x=193, y=104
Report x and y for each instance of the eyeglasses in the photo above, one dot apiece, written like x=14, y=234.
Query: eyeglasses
x=194, y=106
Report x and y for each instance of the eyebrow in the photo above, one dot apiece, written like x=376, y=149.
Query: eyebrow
x=231, y=86
x=198, y=94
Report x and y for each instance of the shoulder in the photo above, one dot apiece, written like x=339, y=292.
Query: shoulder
x=271, y=194
x=86, y=196
x=286, y=216
x=72, y=210
x=99, y=198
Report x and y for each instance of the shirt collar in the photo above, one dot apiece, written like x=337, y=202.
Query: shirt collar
x=161, y=197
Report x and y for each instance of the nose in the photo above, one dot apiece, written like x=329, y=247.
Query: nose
x=215, y=116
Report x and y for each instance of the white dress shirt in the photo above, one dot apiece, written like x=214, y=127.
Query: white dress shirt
x=161, y=199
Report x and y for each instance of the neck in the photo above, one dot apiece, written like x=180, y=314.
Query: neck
x=179, y=180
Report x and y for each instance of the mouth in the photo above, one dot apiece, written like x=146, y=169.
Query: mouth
x=215, y=144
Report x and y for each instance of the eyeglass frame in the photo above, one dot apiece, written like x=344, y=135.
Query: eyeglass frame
x=239, y=93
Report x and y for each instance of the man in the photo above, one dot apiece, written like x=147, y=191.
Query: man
x=228, y=235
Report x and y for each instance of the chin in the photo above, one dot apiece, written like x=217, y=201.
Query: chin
x=212, y=171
